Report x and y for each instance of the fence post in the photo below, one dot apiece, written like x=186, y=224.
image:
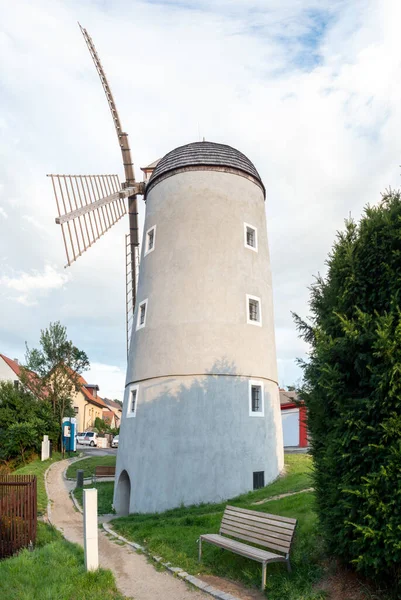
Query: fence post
x=91, y=530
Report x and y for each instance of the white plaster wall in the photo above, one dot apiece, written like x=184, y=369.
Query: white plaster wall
x=197, y=278
x=290, y=419
x=192, y=439
x=6, y=373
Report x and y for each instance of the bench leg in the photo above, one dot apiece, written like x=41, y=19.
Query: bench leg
x=200, y=549
x=263, y=576
x=288, y=565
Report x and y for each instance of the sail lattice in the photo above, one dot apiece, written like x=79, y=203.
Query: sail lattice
x=88, y=206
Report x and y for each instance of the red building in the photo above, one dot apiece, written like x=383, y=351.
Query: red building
x=294, y=420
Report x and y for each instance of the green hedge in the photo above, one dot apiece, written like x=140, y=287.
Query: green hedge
x=352, y=388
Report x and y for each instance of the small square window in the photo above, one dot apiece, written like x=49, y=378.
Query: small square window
x=254, y=312
x=76, y=409
x=141, y=318
x=256, y=399
x=258, y=480
x=250, y=237
x=150, y=240
x=132, y=402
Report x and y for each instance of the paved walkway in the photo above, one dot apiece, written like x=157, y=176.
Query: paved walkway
x=135, y=576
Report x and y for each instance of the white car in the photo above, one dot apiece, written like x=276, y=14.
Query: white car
x=88, y=438
x=114, y=443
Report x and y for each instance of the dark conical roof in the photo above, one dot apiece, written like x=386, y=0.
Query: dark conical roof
x=204, y=154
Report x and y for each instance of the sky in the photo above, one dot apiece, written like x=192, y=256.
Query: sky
x=309, y=90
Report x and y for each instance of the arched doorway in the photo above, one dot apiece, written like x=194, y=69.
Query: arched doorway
x=123, y=494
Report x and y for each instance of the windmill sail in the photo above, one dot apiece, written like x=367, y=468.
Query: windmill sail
x=88, y=206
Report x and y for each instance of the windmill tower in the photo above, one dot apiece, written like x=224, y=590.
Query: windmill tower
x=201, y=417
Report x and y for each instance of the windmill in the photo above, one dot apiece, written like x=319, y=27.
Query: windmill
x=89, y=205
x=201, y=415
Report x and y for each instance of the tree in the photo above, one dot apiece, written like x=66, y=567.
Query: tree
x=58, y=365
x=352, y=389
x=23, y=421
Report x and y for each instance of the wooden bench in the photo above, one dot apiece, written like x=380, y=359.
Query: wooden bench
x=263, y=529
x=103, y=471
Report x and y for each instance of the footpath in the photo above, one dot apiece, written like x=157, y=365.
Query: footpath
x=135, y=576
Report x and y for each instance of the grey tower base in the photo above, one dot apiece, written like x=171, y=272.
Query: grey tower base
x=201, y=424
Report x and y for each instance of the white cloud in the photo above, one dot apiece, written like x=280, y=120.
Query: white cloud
x=3, y=213
x=308, y=90
x=109, y=378
x=34, y=285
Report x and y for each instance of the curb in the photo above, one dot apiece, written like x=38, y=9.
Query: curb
x=75, y=502
x=198, y=583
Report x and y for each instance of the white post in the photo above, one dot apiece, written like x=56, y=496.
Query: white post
x=91, y=530
x=45, y=448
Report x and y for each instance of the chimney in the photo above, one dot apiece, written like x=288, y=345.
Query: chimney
x=16, y=361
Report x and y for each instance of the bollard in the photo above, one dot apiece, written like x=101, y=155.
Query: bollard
x=90, y=530
x=80, y=478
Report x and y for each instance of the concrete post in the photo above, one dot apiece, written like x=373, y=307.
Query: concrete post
x=80, y=478
x=45, y=454
x=91, y=530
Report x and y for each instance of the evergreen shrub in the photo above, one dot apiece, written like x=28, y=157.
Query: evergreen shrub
x=352, y=389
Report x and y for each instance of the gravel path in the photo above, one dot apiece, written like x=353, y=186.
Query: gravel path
x=135, y=577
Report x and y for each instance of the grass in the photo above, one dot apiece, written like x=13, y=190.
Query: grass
x=54, y=571
x=105, y=491
x=89, y=464
x=173, y=536
x=38, y=468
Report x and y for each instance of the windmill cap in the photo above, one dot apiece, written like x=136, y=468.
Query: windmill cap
x=205, y=154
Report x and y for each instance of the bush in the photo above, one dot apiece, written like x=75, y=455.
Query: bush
x=352, y=389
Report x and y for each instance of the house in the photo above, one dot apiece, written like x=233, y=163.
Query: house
x=10, y=370
x=294, y=420
x=116, y=409
x=110, y=418
x=87, y=405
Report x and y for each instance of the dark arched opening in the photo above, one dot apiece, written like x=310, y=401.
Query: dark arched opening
x=123, y=494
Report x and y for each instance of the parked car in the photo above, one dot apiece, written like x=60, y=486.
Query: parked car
x=89, y=439
x=114, y=443
x=79, y=436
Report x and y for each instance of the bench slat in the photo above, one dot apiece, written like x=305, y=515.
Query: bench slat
x=104, y=471
x=285, y=534
x=254, y=539
x=242, y=549
x=263, y=534
x=252, y=517
x=259, y=513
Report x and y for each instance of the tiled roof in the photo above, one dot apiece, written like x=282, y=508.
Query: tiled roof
x=31, y=376
x=112, y=403
x=204, y=154
x=287, y=397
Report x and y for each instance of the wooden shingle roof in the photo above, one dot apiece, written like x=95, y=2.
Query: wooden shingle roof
x=204, y=154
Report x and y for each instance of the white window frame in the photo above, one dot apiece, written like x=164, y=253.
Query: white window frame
x=132, y=414
x=252, y=413
x=255, y=247
x=147, y=251
x=138, y=317
x=251, y=321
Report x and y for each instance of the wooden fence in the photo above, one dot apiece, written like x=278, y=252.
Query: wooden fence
x=18, y=512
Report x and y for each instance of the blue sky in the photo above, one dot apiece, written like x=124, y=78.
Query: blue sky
x=309, y=90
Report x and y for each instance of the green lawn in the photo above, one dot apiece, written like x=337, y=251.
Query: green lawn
x=173, y=535
x=38, y=468
x=104, y=496
x=88, y=465
x=54, y=571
